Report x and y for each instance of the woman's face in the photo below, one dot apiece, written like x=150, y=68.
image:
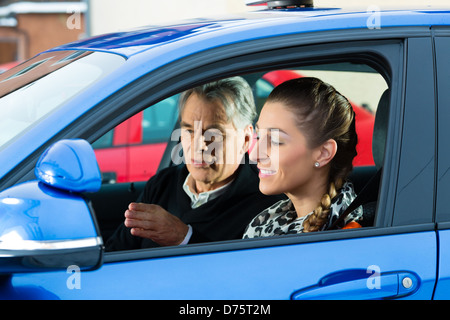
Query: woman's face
x=285, y=161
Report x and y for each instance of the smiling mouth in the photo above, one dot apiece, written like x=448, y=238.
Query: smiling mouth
x=266, y=173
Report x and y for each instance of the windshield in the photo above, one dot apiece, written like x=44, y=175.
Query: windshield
x=42, y=84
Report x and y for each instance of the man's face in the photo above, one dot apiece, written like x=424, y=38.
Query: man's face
x=212, y=147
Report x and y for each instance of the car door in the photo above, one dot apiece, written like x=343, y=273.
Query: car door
x=394, y=258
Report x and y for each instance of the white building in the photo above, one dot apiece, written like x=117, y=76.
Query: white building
x=114, y=15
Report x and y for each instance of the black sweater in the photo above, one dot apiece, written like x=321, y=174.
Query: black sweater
x=223, y=218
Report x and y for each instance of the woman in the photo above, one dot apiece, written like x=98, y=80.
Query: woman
x=305, y=148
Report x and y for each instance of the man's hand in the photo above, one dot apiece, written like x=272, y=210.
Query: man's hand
x=153, y=222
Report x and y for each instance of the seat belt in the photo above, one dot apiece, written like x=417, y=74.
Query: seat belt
x=368, y=193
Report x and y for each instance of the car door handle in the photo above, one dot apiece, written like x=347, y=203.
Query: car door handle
x=358, y=284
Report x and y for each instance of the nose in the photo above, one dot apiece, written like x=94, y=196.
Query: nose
x=199, y=142
x=259, y=152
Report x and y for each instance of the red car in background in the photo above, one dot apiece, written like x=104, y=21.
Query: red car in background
x=133, y=150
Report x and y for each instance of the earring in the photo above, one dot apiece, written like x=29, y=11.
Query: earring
x=316, y=164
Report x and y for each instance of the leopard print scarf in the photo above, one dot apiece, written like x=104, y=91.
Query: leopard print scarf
x=281, y=218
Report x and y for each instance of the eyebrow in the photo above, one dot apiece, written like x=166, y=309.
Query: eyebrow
x=213, y=126
x=270, y=129
x=185, y=124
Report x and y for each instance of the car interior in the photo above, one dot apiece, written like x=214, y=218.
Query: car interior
x=112, y=200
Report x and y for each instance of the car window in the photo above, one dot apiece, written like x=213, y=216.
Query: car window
x=105, y=141
x=158, y=121
x=360, y=84
x=363, y=84
x=44, y=83
x=132, y=151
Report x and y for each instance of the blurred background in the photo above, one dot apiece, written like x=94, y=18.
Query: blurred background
x=29, y=27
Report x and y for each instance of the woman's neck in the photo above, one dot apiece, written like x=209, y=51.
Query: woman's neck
x=307, y=199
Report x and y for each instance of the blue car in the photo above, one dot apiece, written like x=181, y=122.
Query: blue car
x=56, y=214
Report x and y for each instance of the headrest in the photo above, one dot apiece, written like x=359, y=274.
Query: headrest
x=380, y=129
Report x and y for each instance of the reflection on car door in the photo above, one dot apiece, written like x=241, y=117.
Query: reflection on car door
x=361, y=268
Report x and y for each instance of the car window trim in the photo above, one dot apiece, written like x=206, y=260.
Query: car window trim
x=266, y=242
x=441, y=42
x=416, y=170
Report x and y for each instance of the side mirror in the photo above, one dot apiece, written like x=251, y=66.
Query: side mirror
x=46, y=224
x=69, y=165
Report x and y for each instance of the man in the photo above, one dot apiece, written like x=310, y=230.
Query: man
x=214, y=195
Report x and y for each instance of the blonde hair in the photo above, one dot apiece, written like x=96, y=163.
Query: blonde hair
x=322, y=113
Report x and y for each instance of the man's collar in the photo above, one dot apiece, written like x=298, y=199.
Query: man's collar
x=199, y=199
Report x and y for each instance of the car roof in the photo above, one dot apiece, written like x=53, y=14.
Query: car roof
x=257, y=24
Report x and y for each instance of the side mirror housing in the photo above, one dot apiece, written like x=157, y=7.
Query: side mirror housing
x=46, y=224
x=69, y=165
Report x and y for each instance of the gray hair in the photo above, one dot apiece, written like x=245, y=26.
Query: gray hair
x=235, y=94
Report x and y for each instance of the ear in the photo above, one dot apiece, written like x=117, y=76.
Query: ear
x=248, y=137
x=326, y=152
